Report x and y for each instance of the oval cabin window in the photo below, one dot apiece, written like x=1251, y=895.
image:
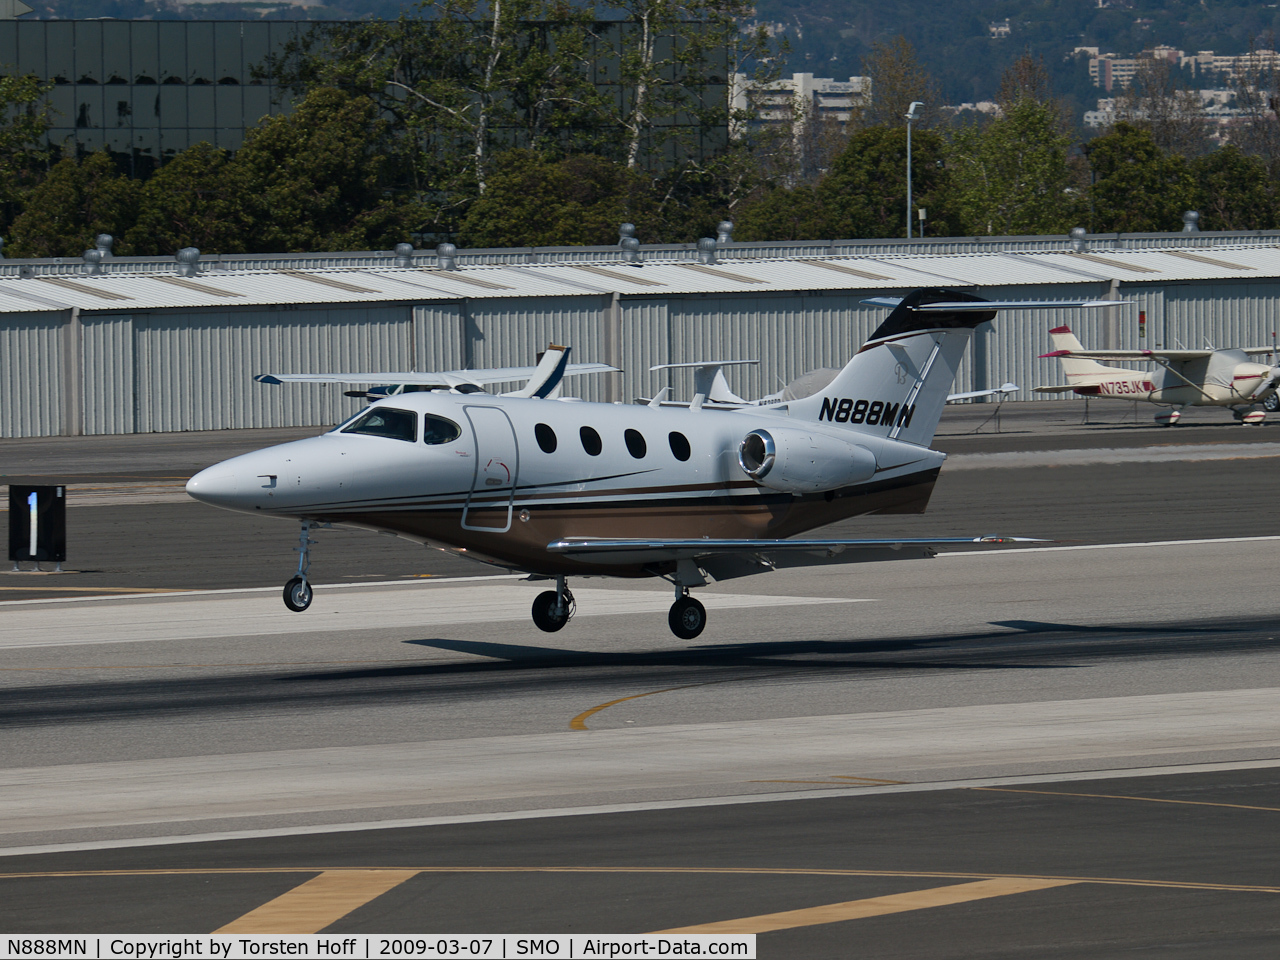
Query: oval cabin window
x=439, y=430
x=635, y=444
x=679, y=445
x=591, y=441
x=546, y=437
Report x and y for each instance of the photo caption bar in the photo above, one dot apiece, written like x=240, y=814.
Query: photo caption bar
x=229, y=946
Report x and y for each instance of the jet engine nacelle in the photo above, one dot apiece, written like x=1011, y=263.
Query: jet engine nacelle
x=794, y=461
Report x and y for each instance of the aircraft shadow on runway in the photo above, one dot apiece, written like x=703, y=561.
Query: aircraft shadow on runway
x=519, y=668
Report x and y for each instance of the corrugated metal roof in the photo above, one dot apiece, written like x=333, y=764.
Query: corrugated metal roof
x=382, y=283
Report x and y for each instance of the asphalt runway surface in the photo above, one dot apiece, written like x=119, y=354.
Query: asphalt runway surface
x=1064, y=752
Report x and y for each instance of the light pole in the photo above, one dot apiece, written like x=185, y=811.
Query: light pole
x=911, y=115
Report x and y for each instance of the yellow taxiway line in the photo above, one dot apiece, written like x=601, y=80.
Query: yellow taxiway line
x=321, y=901
x=580, y=721
x=1114, y=796
x=332, y=893
x=874, y=906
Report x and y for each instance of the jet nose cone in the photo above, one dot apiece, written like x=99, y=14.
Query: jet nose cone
x=217, y=485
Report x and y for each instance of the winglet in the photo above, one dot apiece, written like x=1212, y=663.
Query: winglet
x=549, y=373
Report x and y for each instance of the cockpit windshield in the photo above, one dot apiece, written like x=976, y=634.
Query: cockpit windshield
x=386, y=422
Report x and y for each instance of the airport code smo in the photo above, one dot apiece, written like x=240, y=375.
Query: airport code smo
x=572, y=947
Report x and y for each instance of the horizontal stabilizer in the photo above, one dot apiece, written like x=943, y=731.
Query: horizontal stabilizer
x=1016, y=305
x=1060, y=388
x=1003, y=390
x=979, y=306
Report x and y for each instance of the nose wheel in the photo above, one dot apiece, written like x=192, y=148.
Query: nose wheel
x=297, y=592
x=687, y=617
x=553, y=609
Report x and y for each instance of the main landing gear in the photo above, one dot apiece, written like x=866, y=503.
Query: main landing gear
x=554, y=608
x=297, y=592
x=687, y=617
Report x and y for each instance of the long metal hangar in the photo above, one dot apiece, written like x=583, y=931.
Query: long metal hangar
x=119, y=345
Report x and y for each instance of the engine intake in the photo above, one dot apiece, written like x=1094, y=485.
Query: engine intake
x=793, y=461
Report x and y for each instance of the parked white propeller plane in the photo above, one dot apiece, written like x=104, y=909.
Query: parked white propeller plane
x=1185, y=378
x=691, y=493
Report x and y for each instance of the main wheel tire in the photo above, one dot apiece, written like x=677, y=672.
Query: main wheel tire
x=297, y=594
x=544, y=617
x=1272, y=403
x=687, y=618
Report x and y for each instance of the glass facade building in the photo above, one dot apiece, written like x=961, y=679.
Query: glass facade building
x=146, y=90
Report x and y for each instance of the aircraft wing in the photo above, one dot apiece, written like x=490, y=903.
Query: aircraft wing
x=1172, y=356
x=1059, y=388
x=727, y=559
x=445, y=378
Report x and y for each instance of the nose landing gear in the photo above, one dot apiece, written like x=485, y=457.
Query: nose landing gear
x=297, y=592
x=553, y=609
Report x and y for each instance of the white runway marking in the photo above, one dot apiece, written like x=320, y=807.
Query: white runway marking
x=1173, y=453
x=420, y=606
x=585, y=811
x=926, y=745
x=1108, y=546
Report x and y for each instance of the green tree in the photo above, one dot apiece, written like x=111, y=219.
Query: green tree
x=1233, y=191
x=897, y=78
x=24, y=120
x=1137, y=187
x=319, y=179
x=460, y=79
x=798, y=213
x=78, y=200
x=675, y=59
x=1012, y=176
x=536, y=202
x=866, y=189
x=191, y=201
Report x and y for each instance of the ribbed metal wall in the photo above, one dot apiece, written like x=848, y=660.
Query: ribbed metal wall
x=1223, y=314
x=788, y=335
x=194, y=371
x=31, y=374
x=511, y=332
x=440, y=332
x=109, y=389
x=645, y=341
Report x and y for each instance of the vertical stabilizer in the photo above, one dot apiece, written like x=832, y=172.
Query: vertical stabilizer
x=897, y=384
x=1064, y=340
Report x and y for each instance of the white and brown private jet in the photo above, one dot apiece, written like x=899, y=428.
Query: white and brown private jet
x=689, y=493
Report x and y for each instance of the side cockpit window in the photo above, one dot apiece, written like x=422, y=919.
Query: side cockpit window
x=439, y=430
x=386, y=422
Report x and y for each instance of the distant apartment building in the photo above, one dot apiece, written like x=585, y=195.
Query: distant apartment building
x=803, y=98
x=1216, y=109
x=1110, y=71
